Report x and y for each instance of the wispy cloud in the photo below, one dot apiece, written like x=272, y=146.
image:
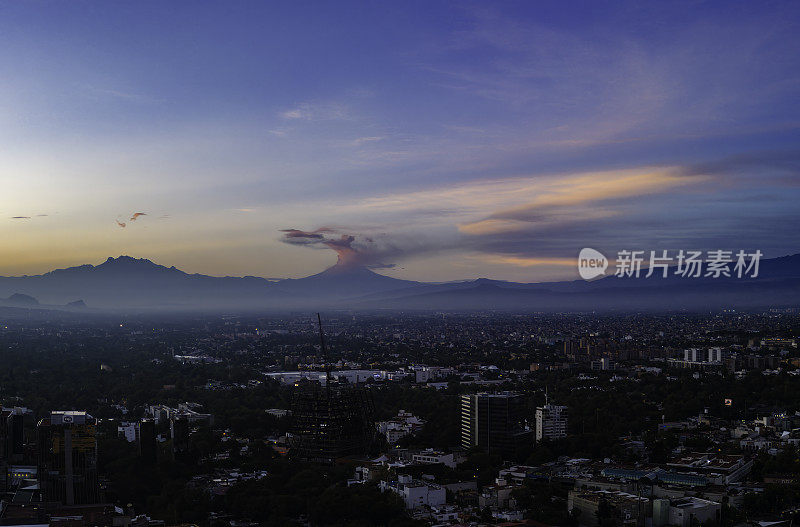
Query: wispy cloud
x=121, y=95
x=542, y=220
x=521, y=261
x=309, y=111
x=581, y=197
x=363, y=140
x=606, y=83
x=29, y=217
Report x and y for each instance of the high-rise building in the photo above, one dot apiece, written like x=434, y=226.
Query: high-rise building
x=494, y=422
x=179, y=432
x=67, y=447
x=330, y=422
x=715, y=355
x=148, y=447
x=551, y=422
x=11, y=441
x=11, y=438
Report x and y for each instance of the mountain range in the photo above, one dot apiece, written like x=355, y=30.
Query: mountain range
x=131, y=283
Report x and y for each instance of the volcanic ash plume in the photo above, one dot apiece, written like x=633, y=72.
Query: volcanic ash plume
x=351, y=251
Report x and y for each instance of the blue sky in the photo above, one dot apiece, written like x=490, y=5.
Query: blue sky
x=449, y=139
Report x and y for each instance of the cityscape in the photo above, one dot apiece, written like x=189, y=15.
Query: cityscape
x=430, y=263
x=400, y=419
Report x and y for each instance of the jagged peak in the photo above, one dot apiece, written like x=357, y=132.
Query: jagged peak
x=125, y=259
x=22, y=299
x=130, y=263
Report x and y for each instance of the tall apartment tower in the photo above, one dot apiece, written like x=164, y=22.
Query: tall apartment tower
x=68, y=458
x=551, y=422
x=180, y=431
x=715, y=355
x=146, y=438
x=494, y=422
x=11, y=441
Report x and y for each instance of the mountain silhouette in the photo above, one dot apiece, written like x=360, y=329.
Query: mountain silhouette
x=344, y=281
x=138, y=283
x=20, y=300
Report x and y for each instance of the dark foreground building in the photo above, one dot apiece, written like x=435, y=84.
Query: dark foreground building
x=11, y=442
x=494, y=422
x=330, y=422
x=67, y=447
x=148, y=447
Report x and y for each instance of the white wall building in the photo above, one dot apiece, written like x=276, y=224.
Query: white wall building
x=129, y=431
x=400, y=426
x=434, y=456
x=551, y=422
x=715, y=355
x=416, y=493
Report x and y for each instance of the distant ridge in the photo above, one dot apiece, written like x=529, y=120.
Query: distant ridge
x=21, y=300
x=138, y=283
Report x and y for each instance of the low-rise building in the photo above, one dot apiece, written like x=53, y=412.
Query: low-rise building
x=400, y=426
x=622, y=505
x=498, y=495
x=688, y=511
x=416, y=493
x=431, y=456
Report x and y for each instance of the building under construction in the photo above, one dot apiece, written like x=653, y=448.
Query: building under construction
x=68, y=458
x=330, y=421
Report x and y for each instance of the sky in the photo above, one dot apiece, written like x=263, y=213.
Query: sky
x=435, y=140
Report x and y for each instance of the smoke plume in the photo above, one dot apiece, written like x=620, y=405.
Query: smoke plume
x=352, y=250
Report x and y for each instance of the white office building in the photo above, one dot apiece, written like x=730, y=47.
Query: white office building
x=551, y=422
x=715, y=355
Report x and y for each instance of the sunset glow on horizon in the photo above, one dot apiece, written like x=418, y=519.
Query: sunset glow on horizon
x=438, y=140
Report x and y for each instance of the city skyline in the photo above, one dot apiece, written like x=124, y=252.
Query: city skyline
x=451, y=141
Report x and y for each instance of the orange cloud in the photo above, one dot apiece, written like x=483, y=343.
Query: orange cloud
x=580, y=197
x=521, y=261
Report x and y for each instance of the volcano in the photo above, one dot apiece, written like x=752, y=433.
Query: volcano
x=344, y=280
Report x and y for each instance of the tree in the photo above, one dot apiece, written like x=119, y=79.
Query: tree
x=606, y=515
